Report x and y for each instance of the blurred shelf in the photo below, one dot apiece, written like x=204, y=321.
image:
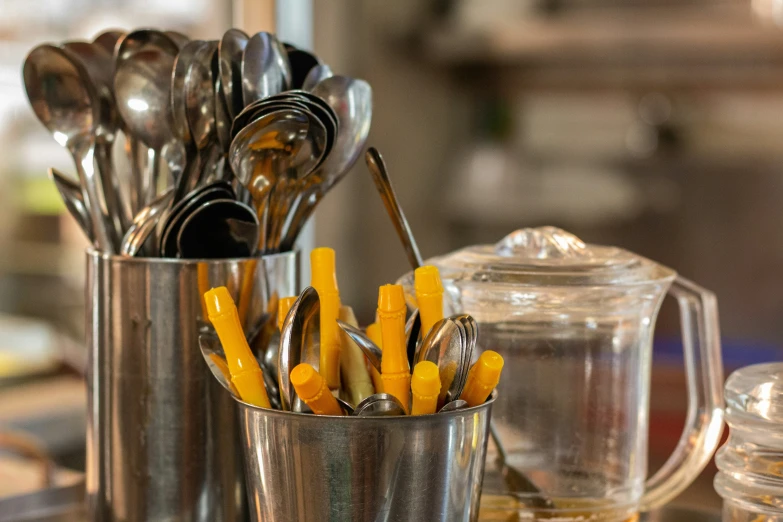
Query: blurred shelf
x=724, y=46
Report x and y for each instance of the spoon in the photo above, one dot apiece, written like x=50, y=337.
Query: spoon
x=445, y=345
x=200, y=115
x=316, y=75
x=265, y=69
x=142, y=89
x=381, y=178
x=99, y=66
x=144, y=224
x=71, y=194
x=369, y=348
x=347, y=408
x=293, y=341
x=412, y=332
x=108, y=41
x=453, y=406
x=379, y=405
x=213, y=354
x=230, y=51
x=64, y=100
x=178, y=38
x=301, y=63
x=219, y=229
x=351, y=100
x=143, y=39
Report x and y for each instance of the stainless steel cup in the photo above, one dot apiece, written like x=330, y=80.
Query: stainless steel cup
x=162, y=435
x=310, y=468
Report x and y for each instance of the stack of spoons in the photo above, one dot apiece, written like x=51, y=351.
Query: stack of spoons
x=226, y=148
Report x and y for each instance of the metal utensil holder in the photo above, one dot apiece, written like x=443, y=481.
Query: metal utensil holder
x=311, y=468
x=162, y=436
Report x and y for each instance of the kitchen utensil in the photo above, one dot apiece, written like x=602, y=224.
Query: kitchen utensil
x=301, y=63
x=576, y=320
x=453, y=406
x=369, y=348
x=364, y=468
x=220, y=229
x=230, y=51
x=178, y=38
x=108, y=41
x=144, y=225
x=316, y=75
x=265, y=69
x=379, y=405
x=448, y=347
x=142, y=85
x=165, y=447
x=64, y=100
x=293, y=341
x=99, y=64
x=380, y=174
x=200, y=115
x=351, y=100
x=347, y=408
x=71, y=194
x=222, y=119
x=142, y=40
x=183, y=209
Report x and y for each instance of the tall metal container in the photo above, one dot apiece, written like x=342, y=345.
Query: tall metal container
x=162, y=436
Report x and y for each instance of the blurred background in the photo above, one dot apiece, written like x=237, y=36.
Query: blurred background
x=654, y=125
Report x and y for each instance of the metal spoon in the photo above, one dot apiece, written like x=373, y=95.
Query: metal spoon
x=178, y=38
x=316, y=75
x=71, y=194
x=379, y=405
x=412, y=332
x=383, y=184
x=212, y=350
x=142, y=89
x=143, y=39
x=230, y=51
x=347, y=408
x=99, y=66
x=351, y=100
x=64, y=100
x=108, y=40
x=453, y=406
x=220, y=229
x=369, y=348
x=265, y=69
x=301, y=63
x=200, y=115
x=144, y=225
x=293, y=341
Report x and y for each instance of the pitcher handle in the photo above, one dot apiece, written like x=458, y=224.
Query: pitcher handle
x=704, y=380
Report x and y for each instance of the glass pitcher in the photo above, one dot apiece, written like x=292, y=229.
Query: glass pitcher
x=575, y=323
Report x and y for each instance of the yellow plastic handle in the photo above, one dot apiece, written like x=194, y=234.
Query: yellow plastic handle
x=425, y=388
x=429, y=297
x=483, y=377
x=311, y=387
x=395, y=370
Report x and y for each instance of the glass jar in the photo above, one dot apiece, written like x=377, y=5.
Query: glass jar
x=574, y=323
x=750, y=464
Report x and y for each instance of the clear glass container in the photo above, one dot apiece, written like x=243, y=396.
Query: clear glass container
x=750, y=464
x=575, y=323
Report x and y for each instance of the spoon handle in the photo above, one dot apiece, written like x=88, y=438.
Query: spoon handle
x=83, y=159
x=381, y=178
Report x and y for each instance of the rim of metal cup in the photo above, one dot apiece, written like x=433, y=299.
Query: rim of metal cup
x=355, y=418
x=176, y=261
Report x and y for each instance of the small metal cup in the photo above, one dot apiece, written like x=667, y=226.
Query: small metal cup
x=162, y=435
x=311, y=468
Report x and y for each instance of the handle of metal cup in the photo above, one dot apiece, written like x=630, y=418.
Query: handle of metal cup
x=704, y=380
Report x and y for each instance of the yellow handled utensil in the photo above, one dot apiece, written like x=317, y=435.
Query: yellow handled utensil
x=324, y=280
x=425, y=388
x=429, y=297
x=395, y=371
x=374, y=333
x=311, y=387
x=483, y=377
x=245, y=372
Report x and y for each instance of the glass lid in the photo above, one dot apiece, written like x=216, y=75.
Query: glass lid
x=550, y=256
